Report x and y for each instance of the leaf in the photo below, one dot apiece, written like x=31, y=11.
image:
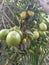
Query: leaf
x=43, y=56
x=29, y=32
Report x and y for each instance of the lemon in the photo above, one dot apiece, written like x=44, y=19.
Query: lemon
x=24, y=41
x=31, y=37
x=30, y=13
x=3, y=34
x=20, y=32
x=43, y=26
x=13, y=38
x=35, y=35
x=23, y=15
x=40, y=49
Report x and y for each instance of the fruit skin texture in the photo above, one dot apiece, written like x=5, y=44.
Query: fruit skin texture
x=3, y=34
x=30, y=13
x=13, y=38
x=24, y=41
x=35, y=35
x=23, y=15
x=43, y=26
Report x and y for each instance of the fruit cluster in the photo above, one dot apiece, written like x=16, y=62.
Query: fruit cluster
x=30, y=37
x=12, y=36
x=23, y=15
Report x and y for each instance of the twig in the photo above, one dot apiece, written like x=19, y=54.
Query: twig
x=11, y=11
x=8, y=18
x=3, y=22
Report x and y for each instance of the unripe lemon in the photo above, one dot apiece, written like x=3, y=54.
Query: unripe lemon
x=24, y=41
x=40, y=49
x=13, y=38
x=35, y=35
x=23, y=15
x=30, y=13
x=20, y=32
x=3, y=34
x=43, y=26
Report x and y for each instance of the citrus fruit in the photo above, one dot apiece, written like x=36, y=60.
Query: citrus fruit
x=23, y=15
x=24, y=41
x=20, y=32
x=30, y=13
x=35, y=35
x=40, y=49
x=13, y=38
x=3, y=34
x=43, y=26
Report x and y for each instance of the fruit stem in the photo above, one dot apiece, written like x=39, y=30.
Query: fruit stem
x=17, y=50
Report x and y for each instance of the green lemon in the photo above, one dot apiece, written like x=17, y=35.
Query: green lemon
x=13, y=38
x=35, y=35
x=3, y=34
x=43, y=26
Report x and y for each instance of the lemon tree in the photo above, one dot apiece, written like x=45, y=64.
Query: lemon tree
x=28, y=34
